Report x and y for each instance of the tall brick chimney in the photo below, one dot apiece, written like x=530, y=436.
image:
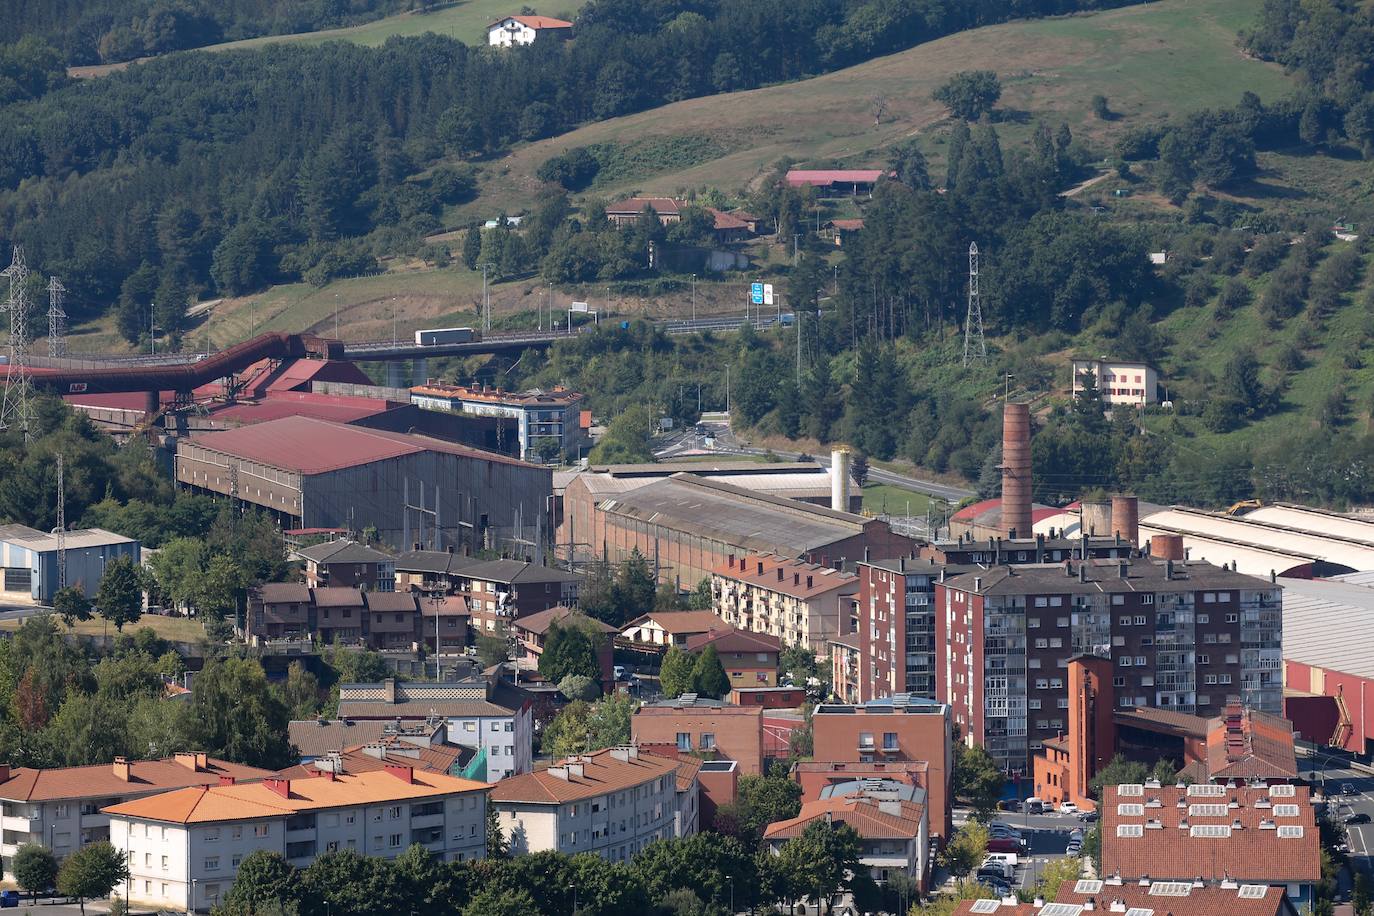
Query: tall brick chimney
x=1016, y=471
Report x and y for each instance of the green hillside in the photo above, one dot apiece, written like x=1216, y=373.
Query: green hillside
x=1151, y=61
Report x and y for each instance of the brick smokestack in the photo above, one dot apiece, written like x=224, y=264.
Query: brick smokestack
x=1016, y=471
x=1126, y=519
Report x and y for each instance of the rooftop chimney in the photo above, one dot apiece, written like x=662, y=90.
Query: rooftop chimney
x=389, y=689
x=4, y=772
x=1166, y=546
x=193, y=762
x=227, y=780
x=121, y=768
x=1016, y=469
x=839, y=479
x=281, y=786
x=404, y=772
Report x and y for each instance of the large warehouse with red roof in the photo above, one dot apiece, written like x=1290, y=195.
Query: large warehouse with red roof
x=310, y=472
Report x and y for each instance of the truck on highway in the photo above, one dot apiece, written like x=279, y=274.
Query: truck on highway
x=430, y=337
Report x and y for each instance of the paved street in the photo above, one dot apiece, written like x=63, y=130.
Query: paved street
x=1046, y=835
x=1333, y=771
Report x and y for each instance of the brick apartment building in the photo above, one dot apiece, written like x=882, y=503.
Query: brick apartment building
x=750, y=659
x=345, y=563
x=887, y=643
x=797, y=602
x=351, y=616
x=1182, y=636
x=505, y=590
x=895, y=731
x=712, y=728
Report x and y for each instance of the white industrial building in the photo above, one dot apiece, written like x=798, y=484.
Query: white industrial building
x=1280, y=539
x=29, y=561
x=184, y=848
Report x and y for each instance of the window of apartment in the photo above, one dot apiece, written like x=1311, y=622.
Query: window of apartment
x=1056, y=601
x=1210, y=680
x=1232, y=659
x=865, y=739
x=349, y=818
x=1223, y=596
x=1118, y=599
x=1204, y=618
x=1203, y=699
x=469, y=726
x=1209, y=597
x=1041, y=601
x=1147, y=640
x=1147, y=599
x=890, y=741
x=1147, y=680
x=1056, y=643
x=1125, y=620
x=1042, y=643
x=1063, y=702
x=261, y=829
x=394, y=841
x=510, y=726
x=1118, y=681
x=1042, y=683
x=1140, y=620
x=1232, y=618
x=1042, y=723
x=1032, y=704
x=1124, y=661
x=684, y=741
x=1032, y=623
x=1126, y=702
x=1056, y=683
x=164, y=863
x=1226, y=679
x=1140, y=661
x=148, y=860
x=1223, y=637
x=212, y=863
x=212, y=835
x=1032, y=663
x=708, y=741
x=393, y=812
x=235, y=860
x=236, y=833
x=1209, y=638
x=1203, y=658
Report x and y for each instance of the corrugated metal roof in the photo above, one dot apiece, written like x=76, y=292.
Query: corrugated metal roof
x=1225, y=535
x=1317, y=521
x=310, y=446
x=1319, y=618
x=733, y=515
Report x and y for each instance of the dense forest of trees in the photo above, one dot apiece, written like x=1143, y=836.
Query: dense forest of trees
x=228, y=172
x=105, y=31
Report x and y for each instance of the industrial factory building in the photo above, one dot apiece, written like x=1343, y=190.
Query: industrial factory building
x=688, y=526
x=540, y=417
x=28, y=561
x=412, y=489
x=803, y=481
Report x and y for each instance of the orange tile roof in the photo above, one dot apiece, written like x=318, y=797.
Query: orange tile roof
x=682, y=621
x=1170, y=851
x=1249, y=744
x=688, y=770
x=101, y=780
x=660, y=205
x=860, y=812
x=725, y=220
x=437, y=758
x=1159, y=898
x=762, y=571
x=730, y=639
x=602, y=773
x=245, y=801
x=536, y=22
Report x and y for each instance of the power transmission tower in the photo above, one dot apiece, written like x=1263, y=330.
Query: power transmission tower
x=975, y=347
x=57, y=319
x=61, y=524
x=15, y=409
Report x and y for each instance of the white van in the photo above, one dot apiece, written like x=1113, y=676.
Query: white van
x=1035, y=806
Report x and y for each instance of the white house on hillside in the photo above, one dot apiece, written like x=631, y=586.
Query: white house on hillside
x=523, y=30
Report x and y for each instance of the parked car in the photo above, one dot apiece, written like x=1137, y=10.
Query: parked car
x=1035, y=806
x=1347, y=788
x=1074, y=848
x=1009, y=804
x=1068, y=808
x=1076, y=834
x=9, y=899
x=1356, y=817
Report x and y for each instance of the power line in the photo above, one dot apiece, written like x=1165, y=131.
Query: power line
x=57, y=319
x=973, y=320
x=15, y=409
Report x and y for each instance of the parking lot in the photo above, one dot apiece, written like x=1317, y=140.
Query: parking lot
x=1047, y=837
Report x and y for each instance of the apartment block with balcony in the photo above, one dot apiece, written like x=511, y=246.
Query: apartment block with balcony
x=346, y=563
x=612, y=803
x=184, y=847
x=61, y=808
x=797, y=602
x=1181, y=636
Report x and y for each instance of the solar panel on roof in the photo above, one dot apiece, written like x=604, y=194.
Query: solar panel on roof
x=1285, y=811
x=1130, y=830
x=1253, y=891
x=1129, y=810
x=1207, y=789
x=1062, y=909
x=1087, y=886
x=1140, y=911
x=1130, y=789
x=985, y=906
x=1290, y=832
x=1215, y=831
x=1208, y=810
x=1171, y=889
x=1283, y=790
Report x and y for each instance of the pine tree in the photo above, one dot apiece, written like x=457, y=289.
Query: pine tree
x=708, y=674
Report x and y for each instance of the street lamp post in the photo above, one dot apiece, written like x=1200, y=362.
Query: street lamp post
x=694, y=297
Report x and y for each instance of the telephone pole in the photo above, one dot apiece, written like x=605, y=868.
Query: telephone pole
x=975, y=347
x=14, y=411
x=57, y=318
x=486, y=300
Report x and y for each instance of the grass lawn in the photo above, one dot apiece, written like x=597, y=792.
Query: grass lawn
x=884, y=499
x=1150, y=61
x=466, y=21
x=176, y=629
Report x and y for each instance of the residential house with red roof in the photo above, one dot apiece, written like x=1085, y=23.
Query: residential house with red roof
x=625, y=212
x=525, y=30
x=184, y=847
x=750, y=659
x=61, y=807
x=890, y=818
x=671, y=628
x=1213, y=833
x=1141, y=898
x=611, y=802
x=797, y=602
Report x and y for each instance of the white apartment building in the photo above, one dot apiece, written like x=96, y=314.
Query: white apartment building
x=61, y=808
x=184, y=847
x=1119, y=381
x=613, y=802
x=491, y=716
